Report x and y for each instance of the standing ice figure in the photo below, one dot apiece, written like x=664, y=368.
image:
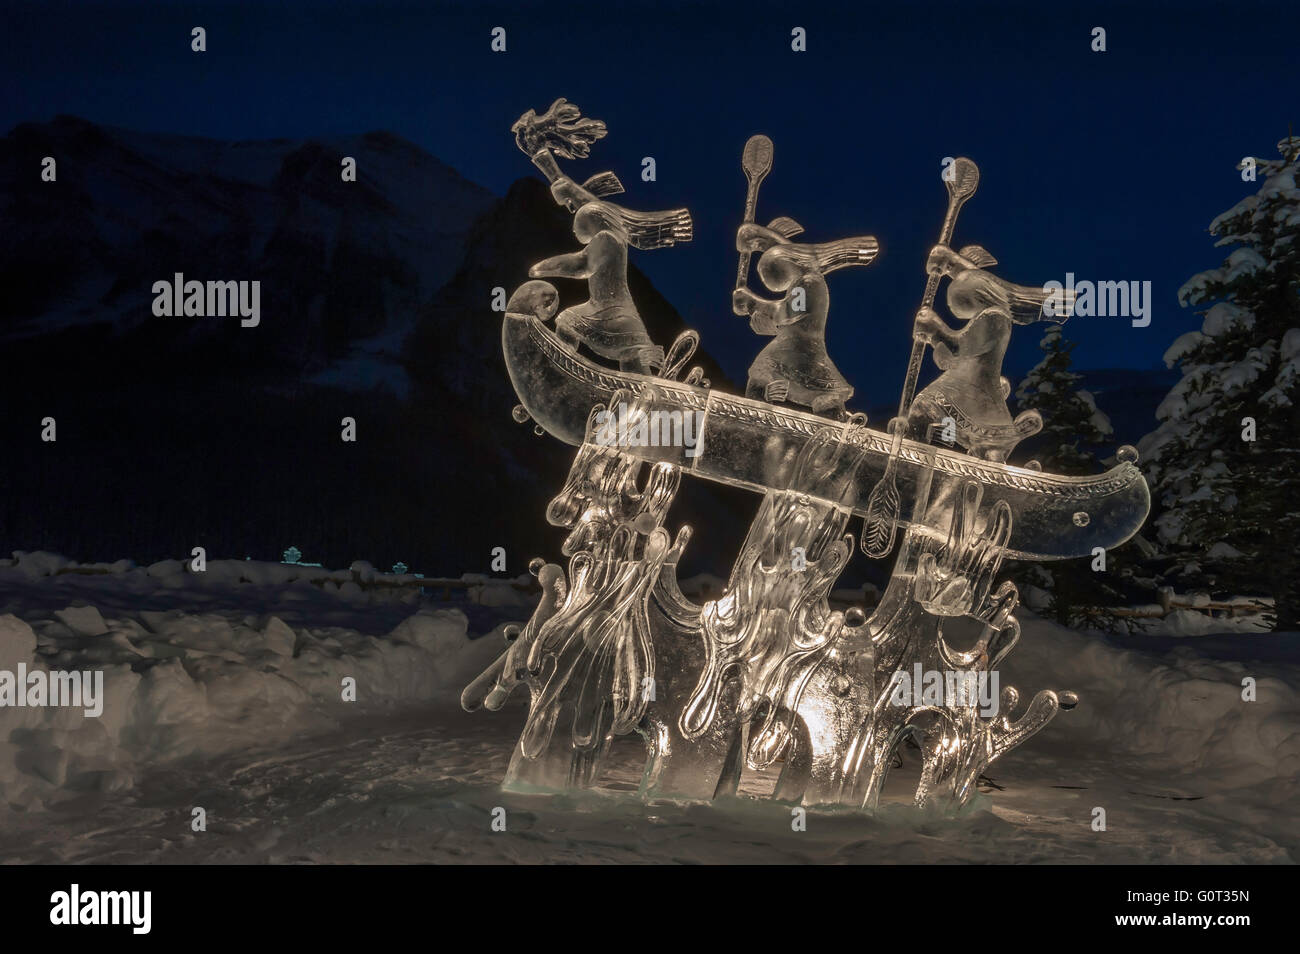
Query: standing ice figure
x=971, y=392
x=607, y=323
x=795, y=367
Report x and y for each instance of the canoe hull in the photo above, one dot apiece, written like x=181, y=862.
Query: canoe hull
x=748, y=443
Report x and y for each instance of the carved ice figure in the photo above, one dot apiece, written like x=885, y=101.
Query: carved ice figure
x=608, y=322
x=795, y=367
x=971, y=390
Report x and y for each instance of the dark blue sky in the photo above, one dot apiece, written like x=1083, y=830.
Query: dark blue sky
x=1108, y=165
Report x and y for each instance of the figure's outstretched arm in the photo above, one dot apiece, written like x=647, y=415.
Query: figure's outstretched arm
x=981, y=335
x=572, y=265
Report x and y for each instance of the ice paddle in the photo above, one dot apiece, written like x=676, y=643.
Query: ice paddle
x=881, y=521
x=756, y=160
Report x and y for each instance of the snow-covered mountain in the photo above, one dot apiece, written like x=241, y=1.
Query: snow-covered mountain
x=343, y=266
x=175, y=432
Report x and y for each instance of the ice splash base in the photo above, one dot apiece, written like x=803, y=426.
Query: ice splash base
x=768, y=674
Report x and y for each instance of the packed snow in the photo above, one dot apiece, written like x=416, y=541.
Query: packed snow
x=200, y=664
x=223, y=690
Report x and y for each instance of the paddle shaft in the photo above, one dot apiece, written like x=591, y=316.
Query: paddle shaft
x=927, y=300
x=751, y=204
x=881, y=521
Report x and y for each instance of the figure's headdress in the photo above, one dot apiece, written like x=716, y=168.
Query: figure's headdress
x=643, y=230
x=563, y=131
x=573, y=196
x=980, y=289
x=774, y=238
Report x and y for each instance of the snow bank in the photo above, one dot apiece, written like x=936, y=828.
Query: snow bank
x=1190, y=622
x=1178, y=717
x=179, y=683
x=194, y=669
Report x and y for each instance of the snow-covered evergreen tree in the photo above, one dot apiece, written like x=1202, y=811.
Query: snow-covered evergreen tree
x=1224, y=465
x=1072, y=424
x=1073, y=429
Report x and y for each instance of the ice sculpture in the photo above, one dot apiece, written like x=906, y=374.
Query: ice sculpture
x=607, y=323
x=770, y=676
x=586, y=655
x=795, y=367
x=971, y=391
x=772, y=626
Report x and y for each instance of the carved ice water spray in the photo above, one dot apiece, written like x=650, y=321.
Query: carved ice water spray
x=768, y=674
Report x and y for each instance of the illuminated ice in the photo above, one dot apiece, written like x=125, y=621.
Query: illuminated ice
x=769, y=676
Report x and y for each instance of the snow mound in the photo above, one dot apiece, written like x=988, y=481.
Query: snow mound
x=180, y=683
x=1179, y=717
x=1190, y=622
x=206, y=675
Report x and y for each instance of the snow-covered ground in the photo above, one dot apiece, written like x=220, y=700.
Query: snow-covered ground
x=227, y=695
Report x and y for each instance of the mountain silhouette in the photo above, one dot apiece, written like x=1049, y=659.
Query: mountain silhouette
x=176, y=432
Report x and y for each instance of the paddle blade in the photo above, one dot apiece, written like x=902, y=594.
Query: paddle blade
x=965, y=179
x=881, y=520
x=756, y=160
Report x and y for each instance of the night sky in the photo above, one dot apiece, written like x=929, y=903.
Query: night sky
x=1110, y=165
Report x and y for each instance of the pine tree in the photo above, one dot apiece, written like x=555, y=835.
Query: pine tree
x=1072, y=425
x=1224, y=465
x=1073, y=428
